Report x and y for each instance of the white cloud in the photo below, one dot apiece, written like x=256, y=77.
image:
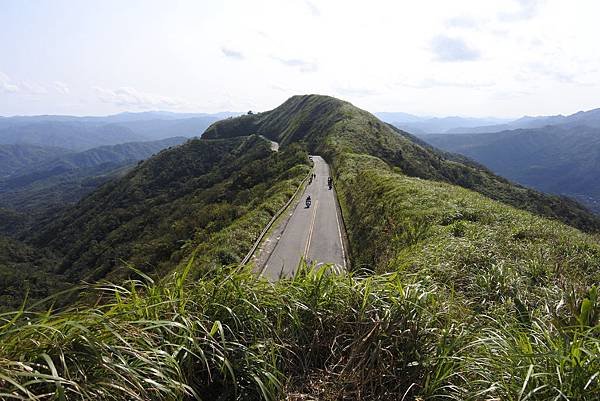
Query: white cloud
x=253, y=55
x=132, y=98
x=446, y=48
x=524, y=10
x=234, y=54
x=312, y=8
x=354, y=91
x=6, y=85
x=302, y=65
x=61, y=87
x=437, y=83
x=463, y=22
x=32, y=88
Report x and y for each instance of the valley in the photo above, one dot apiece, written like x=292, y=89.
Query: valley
x=560, y=159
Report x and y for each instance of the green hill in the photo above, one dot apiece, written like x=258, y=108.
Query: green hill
x=331, y=127
x=16, y=157
x=452, y=294
x=158, y=213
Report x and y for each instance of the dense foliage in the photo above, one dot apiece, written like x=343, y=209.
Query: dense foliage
x=26, y=271
x=318, y=336
x=213, y=196
x=156, y=214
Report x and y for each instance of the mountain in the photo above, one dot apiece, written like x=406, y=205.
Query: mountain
x=69, y=135
x=557, y=159
x=434, y=125
x=162, y=128
x=589, y=118
x=121, y=153
x=161, y=210
x=327, y=125
x=65, y=179
x=18, y=157
x=81, y=133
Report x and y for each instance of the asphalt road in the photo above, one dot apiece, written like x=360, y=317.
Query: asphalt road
x=314, y=233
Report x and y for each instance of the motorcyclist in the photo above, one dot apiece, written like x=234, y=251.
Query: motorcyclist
x=308, y=201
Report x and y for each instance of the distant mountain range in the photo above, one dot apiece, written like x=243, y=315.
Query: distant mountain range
x=589, y=118
x=430, y=125
x=562, y=159
x=466, y=125
x=81, y=133
x=38, y=178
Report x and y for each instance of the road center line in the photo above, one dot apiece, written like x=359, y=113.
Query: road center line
x=310, y=231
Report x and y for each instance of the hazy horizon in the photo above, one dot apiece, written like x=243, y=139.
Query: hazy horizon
x=502, y=59
x=199, y=112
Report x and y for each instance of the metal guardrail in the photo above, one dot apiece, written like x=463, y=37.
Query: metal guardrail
x=275, y=217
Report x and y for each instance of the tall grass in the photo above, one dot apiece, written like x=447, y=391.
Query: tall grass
x=232, y=336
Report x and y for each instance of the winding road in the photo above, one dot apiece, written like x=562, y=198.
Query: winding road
x=313, y=233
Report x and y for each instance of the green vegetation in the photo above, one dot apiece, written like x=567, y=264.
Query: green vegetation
x=157, y=214
x=230, y=336
x=24, y=272
x=331, y=127
x=453, y=295
x=211, y=196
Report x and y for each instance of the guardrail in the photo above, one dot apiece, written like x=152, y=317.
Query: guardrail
x=275, y=217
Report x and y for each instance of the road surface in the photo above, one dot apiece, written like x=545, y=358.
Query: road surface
x=314, y=233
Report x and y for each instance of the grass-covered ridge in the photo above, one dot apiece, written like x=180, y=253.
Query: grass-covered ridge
x=484, y=250
x=331, y=127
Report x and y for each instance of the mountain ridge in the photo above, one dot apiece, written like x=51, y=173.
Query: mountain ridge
x=331, y=126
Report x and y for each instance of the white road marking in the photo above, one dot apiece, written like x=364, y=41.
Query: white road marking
x=310, y=231
x=337, y=220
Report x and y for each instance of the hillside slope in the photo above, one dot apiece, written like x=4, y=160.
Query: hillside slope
x=329, y=126
x=555, y=159
x=69, y=135
x=17, y=157
x=55, y=182
x=156, y=214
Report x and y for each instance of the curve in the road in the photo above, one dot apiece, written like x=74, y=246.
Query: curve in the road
x=313, y=233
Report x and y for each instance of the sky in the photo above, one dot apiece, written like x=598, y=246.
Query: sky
x=501, y=58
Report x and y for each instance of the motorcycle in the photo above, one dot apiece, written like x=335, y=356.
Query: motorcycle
x=308, y=202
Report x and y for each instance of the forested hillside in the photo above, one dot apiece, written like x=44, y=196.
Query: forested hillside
x=155, y=215
x=17, y=157
x=42, y=181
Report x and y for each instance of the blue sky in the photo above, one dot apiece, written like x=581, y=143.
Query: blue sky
x=433, y=57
